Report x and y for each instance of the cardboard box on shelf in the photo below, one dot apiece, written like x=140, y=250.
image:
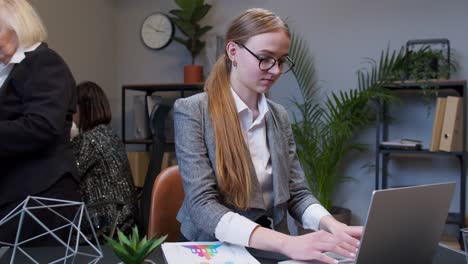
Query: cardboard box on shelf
x=438, y=123
x=451, y=137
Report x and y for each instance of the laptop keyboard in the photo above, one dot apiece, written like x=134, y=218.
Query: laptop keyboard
x=341, y=259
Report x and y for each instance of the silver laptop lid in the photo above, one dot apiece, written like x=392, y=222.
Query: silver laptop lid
x=404, y=225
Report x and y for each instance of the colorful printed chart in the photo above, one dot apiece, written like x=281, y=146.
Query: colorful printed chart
x=206, y=253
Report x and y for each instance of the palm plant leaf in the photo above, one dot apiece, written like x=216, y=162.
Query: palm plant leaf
x=324, y=130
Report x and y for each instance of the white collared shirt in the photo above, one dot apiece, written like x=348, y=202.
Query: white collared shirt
x=233, y=227
x=18, y=57
x=255, y=135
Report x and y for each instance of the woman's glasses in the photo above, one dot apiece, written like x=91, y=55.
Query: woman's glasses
x=266, y=63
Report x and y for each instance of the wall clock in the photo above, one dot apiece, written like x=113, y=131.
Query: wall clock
x=157, y=31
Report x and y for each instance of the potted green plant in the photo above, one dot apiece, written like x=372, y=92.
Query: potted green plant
x=132, y=250
x=325, y=128
x=187, y=20
x=426, y=64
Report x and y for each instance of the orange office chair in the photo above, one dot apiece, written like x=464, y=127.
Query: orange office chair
x=166, y=199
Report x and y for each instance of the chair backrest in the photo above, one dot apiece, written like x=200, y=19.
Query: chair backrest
x=166, y=199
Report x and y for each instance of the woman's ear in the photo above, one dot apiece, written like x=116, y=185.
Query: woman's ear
x=231, y=50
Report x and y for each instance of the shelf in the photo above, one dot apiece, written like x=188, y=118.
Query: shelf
x=382, y=134
x=405, y=84
x=420, y=152
x=168, y=87
x=150, y=89
x=411, y=85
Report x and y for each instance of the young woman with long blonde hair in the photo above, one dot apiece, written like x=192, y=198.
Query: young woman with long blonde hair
x=237, y=154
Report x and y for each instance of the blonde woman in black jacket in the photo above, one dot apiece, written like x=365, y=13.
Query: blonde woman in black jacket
x=37, y=101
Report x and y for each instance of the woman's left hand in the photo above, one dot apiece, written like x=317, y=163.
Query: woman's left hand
x=351, y=234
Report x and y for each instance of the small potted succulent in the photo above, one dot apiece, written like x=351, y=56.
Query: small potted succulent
x=187, y=20
x=133, y=250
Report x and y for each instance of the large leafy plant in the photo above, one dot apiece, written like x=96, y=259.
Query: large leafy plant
x=325, y=128
x=133, y=250
x=187, y=20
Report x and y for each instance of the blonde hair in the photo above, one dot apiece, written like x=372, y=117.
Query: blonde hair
x=232, y=153
x=21, y=17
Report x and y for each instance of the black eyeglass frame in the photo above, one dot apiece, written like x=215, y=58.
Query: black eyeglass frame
x=260, y=60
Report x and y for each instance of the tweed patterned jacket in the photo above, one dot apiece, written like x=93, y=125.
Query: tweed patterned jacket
x=106, y=182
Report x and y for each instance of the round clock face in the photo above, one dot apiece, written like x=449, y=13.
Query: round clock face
x=157, y=31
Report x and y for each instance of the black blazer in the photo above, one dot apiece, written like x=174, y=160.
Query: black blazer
x=37, y=102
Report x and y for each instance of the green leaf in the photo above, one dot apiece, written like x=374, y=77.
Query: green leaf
x=145, y=250
x=180, y=14
x=155, y=244
x=202, y=31
x=185, y=4
x=180, y=40
x=200, y=12
x=185, y=27
x=123, y=239
x=199, y=2
x=135, y=238
x=142, y=242
x=120, y=251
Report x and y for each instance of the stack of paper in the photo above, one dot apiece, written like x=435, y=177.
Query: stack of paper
x=206, y=253
x=403, y=144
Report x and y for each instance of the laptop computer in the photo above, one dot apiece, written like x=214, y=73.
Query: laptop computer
x=403, y=225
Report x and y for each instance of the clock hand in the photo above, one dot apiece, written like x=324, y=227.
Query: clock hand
x=155, y=29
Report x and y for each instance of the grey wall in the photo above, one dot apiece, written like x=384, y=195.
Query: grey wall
x=340, y=32
x=84, y=34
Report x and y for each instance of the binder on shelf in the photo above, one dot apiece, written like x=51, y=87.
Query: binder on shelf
x=451, y=136
x=438, y=123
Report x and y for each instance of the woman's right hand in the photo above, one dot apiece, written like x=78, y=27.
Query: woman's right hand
x=313, y=245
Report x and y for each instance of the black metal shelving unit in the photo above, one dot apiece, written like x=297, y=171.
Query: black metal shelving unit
x=149, y=89
x=382, y=133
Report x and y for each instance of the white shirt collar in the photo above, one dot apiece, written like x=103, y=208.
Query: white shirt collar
x=241, y=106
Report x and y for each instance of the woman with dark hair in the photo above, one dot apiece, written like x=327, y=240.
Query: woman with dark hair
x=106, y=182
x=237, y=155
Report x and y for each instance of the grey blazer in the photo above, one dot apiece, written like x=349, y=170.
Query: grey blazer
x=202, y=208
